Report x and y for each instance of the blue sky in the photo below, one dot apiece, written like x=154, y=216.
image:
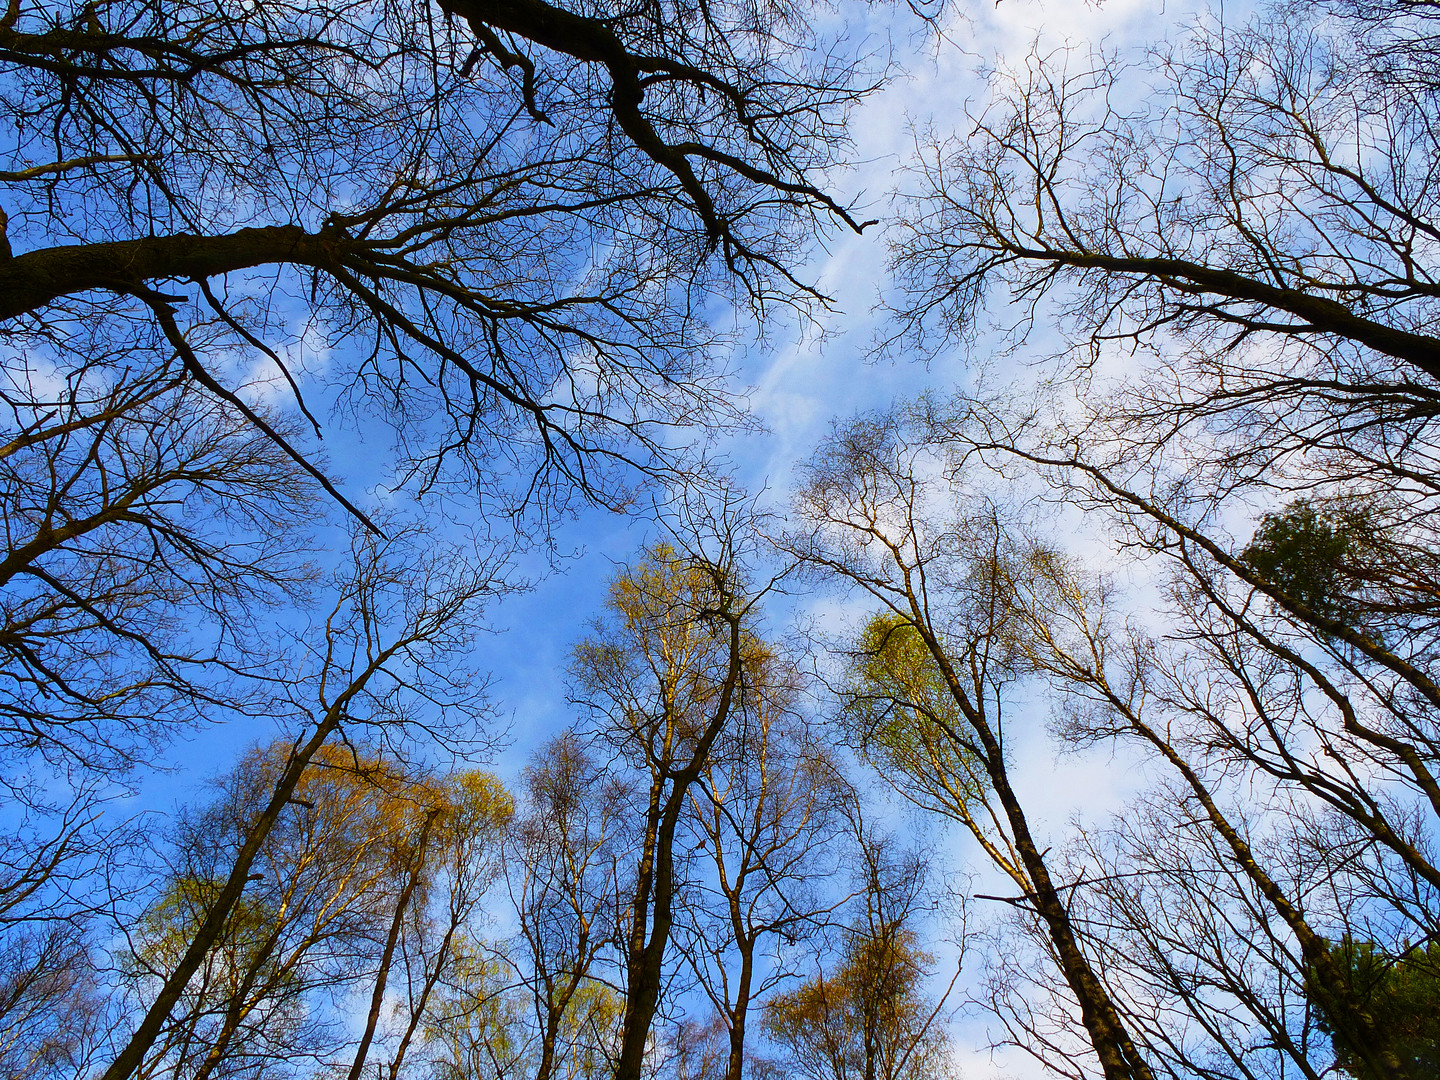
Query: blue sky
x=804, y=377
x=801, y=378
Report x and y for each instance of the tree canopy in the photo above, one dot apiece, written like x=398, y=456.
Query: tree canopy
x=1100, y=678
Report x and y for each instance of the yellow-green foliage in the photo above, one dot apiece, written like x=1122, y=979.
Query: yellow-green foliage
x=870, y=1018
x=902, y=713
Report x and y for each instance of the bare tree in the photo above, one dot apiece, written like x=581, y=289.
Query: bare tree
x=1257, y=233
x=770, y=812
x=53, y=1009
x=870, y=1018
x=1261, y=225
x=148, y=528
x=1205, y=709
x=567, y=853
x=149, y=534
x=932, y=672
x=1252, y=209
x=662, y=677
x=1286, y=695
x=427, y=187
